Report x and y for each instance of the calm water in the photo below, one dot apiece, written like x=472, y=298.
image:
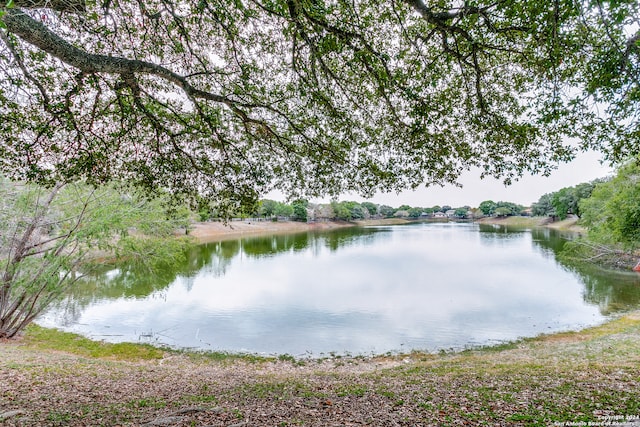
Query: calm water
x=357, y=291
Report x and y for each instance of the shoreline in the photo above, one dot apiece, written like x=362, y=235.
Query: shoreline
x=569, y=224
x=546, y=380
x=206, y=232
x=214, y=231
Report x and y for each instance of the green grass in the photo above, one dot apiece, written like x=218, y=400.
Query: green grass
x=515, y=221
x=41, y=338
x=52, y=339
x=351, y=390
x=147, y=403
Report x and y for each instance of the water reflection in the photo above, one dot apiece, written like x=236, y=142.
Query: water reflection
x=211, y=260
x=611, y=290
x=353, y=290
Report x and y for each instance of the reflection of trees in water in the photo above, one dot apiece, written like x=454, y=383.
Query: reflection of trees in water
x=212, y=259
x=552, y=241
x=69, y=310
x=128, y=280
x=264, y=246
x=346, y=237
x=490, y=232
x=611, y=291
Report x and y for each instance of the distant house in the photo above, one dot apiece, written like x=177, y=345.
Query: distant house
x=451, y=213
x=439, y=215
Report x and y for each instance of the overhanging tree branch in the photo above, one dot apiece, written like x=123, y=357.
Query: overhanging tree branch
x=229, y=99
x=72, y=6
x=33, y=32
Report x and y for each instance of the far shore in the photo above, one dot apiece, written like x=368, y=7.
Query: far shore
x=569, y=224
x=214, y=231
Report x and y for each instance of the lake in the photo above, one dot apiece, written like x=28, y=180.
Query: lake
x=371, y=290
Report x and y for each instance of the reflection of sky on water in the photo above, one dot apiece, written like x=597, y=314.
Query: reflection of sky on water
x=420, y=287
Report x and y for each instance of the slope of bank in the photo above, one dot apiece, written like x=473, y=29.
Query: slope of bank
x=216, y=230
x=592, y=376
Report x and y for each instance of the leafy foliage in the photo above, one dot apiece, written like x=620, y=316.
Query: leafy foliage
x=231, y=100
x=48, y=234
x=300, y=210
x=347, y=210
x=544, y=206
x=416, y=212
x=372, y=208
x=271, y=208
x=564, y=201
x=461, y=213
x=489, y=207
x=612, y=213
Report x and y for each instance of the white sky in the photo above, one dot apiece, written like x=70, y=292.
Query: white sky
x=586, y=167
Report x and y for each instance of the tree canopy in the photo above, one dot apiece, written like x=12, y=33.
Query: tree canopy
x=564, y=202
x=489, y=207
x=612, y=213
x=230, y=100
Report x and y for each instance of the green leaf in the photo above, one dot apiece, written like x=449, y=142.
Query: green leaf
x=10, y=4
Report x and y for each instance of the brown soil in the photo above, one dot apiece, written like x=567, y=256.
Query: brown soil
x=216, y=230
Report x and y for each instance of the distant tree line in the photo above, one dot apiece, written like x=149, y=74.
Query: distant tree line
x=564, y=202
x=501, y=209
x=303, y=210
x=263, y=209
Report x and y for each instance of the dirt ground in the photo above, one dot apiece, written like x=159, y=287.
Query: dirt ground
x=217, y=230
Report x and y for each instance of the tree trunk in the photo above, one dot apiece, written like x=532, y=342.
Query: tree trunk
x=11, y=306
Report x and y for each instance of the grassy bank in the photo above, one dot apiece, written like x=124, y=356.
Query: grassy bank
x=50, y=378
